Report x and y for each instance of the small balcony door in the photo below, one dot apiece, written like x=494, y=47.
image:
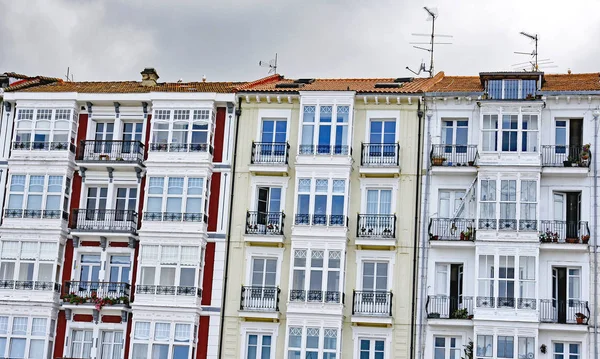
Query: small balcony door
x=264, y=276
x=274, y=131
x=96, y=203
x=567, y=211
x=119, y=269
x=126, y=202
x=112, y=344
x=448, y=284
x=382, y=138
x=455, y=136
x=566, y=293
x=374, y=298
x=104, y=132
x=568, y=138
x=132, y=135
x=89, y=274
x=268, y=207
x=379, y=207
x=81, y=343
x=449, y=202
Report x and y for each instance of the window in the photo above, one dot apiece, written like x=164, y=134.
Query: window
x=81, y=343
x=112, y=345
x=528, y=213
x=446, y=348
x=449, y=202
x=527, y=282
x=510, y=130
x=372, y=349
x=485, y=346
x=43, y=129
x=526, y=348
x=176, y=270
x=312, y=343
x=327, y=199
x=508, y=204
x=258, y=346
x=511, y=89
x=529, y=141
x=506, y=347
x=518, y=133
x=35, y=196
x=169, y=340
x=329, y=126
x=175, y=199
x=28, y=265
x=182, y=130
x=490, y=133
x=486, y=281
x=317, y=279
x=567, y=351
x=513, y=209
x=488, y=203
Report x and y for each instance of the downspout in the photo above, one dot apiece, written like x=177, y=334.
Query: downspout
x=416, y=231
x=596, y=113
x=423, y=245
x=238, y=113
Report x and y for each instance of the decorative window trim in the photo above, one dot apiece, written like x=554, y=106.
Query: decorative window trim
x=172, y=116
x=382, y=115
x=372, y=333
x=43, y=212
x=53, y=116
x=151, y=340
x=274, y=114
x=163, y=214
x=258, y=328
x=263, y=252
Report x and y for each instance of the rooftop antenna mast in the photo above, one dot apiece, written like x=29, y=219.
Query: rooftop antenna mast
x=534, y=53
x=69, y=75
x=432, y=15
x=272, y=65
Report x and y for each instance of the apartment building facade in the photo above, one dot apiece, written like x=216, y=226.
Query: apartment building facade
x=506, y=258
x=323, y=223
x=114, y=219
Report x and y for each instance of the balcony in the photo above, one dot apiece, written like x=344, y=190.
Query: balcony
x=35, y=213
x=334, y=220
x=125, y=152
x=270, y=157
x=43, y=151
x=460, y=157
x=181, y=147
x=372, y=303
x=324, y=155
x=43, y=146
x=452, y=229
x=316, y=296
x=259, y=299
x=264, y=227
x=379, y=158
x=566, y=160
x=30, y=285
x=376, y=229
x=445, y=307
x=166, y=290
x=571, y=311
x=572, y=232
x=508, y=224
x=104, y=220
x=111, y=293
x=175, y=217
x=506, y=302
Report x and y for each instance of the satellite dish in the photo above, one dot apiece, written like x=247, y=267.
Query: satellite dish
x=272, y=65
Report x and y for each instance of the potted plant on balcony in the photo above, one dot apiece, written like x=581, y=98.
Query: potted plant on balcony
x=548, y=236
x=438, y=160
x=460, y=314
x=433, y=238
x=580, y=317
x=471, y=163
x=568, y=162
x=572, y=240
x=584, y=158
x=585, y=239
x=433, y=315
x=466, y=235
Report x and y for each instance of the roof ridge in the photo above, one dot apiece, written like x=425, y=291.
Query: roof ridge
x=261, y=81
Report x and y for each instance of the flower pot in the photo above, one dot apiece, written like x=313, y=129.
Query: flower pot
x=579, y=320
x=433, y=315
x=471, y=163
x=585, y=239
x=572, y=240
x=567, y=163
x=438, y=161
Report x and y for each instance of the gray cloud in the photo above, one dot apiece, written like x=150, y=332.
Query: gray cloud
x=224, y=40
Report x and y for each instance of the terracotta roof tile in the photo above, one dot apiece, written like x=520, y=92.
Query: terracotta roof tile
x=135, y=87
x=458, y=84
x=572, y=82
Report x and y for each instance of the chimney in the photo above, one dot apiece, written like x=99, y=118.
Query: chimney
x=149, y=76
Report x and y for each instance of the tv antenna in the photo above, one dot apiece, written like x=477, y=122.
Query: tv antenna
x=432, y=15
x=272, y=65
x=534, y=54
x=69, y=75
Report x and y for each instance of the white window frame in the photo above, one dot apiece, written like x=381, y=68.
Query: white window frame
x=257, y=328
x=372, y=333
x=35, y=259
x=170, y=342
x=566, y=354
x=179, y=262
x=63, y=195
x=500, y=129
x=263, y=252
x=323, y=330
x=328, y=254
x=317, y=104
x=497, y=202
x=171, y=116
x=29, y=335
x=273, y=115
x=57, y=115
x=448, y=349
x=271, y=182
x=329, y=194
x=164, y=196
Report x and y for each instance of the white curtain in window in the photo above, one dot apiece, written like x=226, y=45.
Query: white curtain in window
x=36, y=349
x=140, y=351
x=29, y=250
x=142, y=330
x=189, y=255
x=38, y=326
x=17, y=348
x=385, y=202
x=19, y=325
x=169, y=255
x=182, y=332
x=149, y=254
x=48, y=251
x=372, y=201
x=3, y=325
x=162, y=331
x=10, y=249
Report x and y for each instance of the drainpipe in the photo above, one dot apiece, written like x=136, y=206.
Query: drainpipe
x=238, y=113
x=423, y=245
x=596, y=114
x=413, y=316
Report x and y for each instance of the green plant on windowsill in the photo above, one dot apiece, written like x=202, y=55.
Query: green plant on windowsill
x=460, y=314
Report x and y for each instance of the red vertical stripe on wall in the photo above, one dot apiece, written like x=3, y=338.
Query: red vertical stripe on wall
x=134, y=274
x=67, y=263
x=203, y=338
x=213, y=201
x=209, y=265
x=61, y=331
x=141, y=201
x=128, y=335
x=82, y=128
x=218, y=143
x=75, y=195
x=147, y=144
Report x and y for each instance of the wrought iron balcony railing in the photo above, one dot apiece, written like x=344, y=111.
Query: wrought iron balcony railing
x=266, y=223
x=275, y=153
x=376, y=226
x=175, y=217
x=369, y=302
x=564, y=232
x=263, y=299
x=181, y=147
x=453, y=155
x=300, y=295
x=30, y=285
x=506, y=302
x=566, y=156
x=445, y=307
x=187, y=291
x=333, y=150
x=43, y=146
x=334, y=220
x=104, y=220
x=380, y=154
x=35, y=213
x=112, y=290
x=112, y=151
x=569, y=311
x=452, y=229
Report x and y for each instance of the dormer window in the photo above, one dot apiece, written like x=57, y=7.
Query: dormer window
x=511, y=89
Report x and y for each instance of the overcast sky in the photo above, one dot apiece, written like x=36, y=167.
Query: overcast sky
x=224, y=40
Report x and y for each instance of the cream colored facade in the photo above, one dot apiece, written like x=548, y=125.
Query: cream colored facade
x=373, y=258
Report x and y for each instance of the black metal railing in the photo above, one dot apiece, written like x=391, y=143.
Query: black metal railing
x=528, y=225
x=35, y=213
x=30, y=285
x=564, y=231
x=445, y=307
x=264, y=299
x=564, y=311
x=175, y=217
x=453, y=155
x=506, y=302
x=111, y=220
x=380, y=154
x=566, y=156
x=301, y=295
x=488, y=224
x=369, y=302
x=334, y=150
x=41, y=146
x=181, y=147
x=113, y=151
x=526, y=303
x=376, y=226
x=187, y=291
x=113, y=290
x=268, y=223
x=507, y=224
x=452, y=229
x=270, y=153
x=485, y=302
x=335, y=220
